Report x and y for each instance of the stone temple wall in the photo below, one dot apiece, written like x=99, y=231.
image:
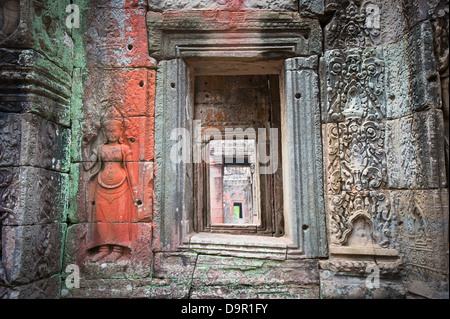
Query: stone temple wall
x=88, y=182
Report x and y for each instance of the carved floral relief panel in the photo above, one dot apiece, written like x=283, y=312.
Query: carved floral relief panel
x=355, y=156
x=28, y=139
x=361, y=219
x=354, y=23
x=354, y=84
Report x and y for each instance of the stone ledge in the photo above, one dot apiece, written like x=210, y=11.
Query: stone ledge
x=241, y=245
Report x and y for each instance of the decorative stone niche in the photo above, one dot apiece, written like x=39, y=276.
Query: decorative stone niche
x=244, y=44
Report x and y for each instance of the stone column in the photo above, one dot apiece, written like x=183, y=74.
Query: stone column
x=36, y=53
x=303, y=184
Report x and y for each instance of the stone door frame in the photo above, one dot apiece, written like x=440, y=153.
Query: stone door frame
x=272, y=45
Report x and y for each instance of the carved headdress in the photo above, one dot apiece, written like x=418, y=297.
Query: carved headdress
x=112, y=117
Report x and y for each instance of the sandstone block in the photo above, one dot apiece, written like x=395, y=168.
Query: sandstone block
x=415, y=160
x=28, y=139
x=34, y=195
x=39, y=25
x=31, y=252
x=31, y=83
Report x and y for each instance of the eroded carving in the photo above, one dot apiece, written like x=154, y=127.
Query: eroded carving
x=368, y=214
x=9, y=17
x=422, y=235
x=7, y=202
x=10, y=136
x=355, y=23
x=356, y=156
x=441, y=48
x=113, y=193
x=360, y=266
x=355, y=84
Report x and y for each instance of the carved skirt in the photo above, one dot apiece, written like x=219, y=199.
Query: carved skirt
x=112, y=214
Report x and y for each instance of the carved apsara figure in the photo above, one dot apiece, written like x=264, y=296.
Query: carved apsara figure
x=112, y=195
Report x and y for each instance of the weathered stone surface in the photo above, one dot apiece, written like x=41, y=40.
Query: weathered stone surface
x=41, y=289
x=302, y=152
x=110, y=288
x=131, y=91
x=230, y=277
x=31, y=252
x=172, y=185
x=412, y=79
x=135, y=263
x=162, y=5
x=229, y=271
x=39, y=25
x=362, y=219
x=31, y=83
x=35, y=196
x=293, y=291
x=178, y=266
x=117, y=38
x=173, y=273
x=415, y=160
x=423, y=237
x=339, y=285
x=27, y=139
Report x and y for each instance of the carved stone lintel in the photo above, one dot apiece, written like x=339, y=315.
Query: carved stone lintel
x=183, y=5
x=253, y=34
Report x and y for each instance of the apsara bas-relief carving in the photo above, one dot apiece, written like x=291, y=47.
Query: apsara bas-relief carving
x=355, y=84
x=113, y=193
x=355, y=23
